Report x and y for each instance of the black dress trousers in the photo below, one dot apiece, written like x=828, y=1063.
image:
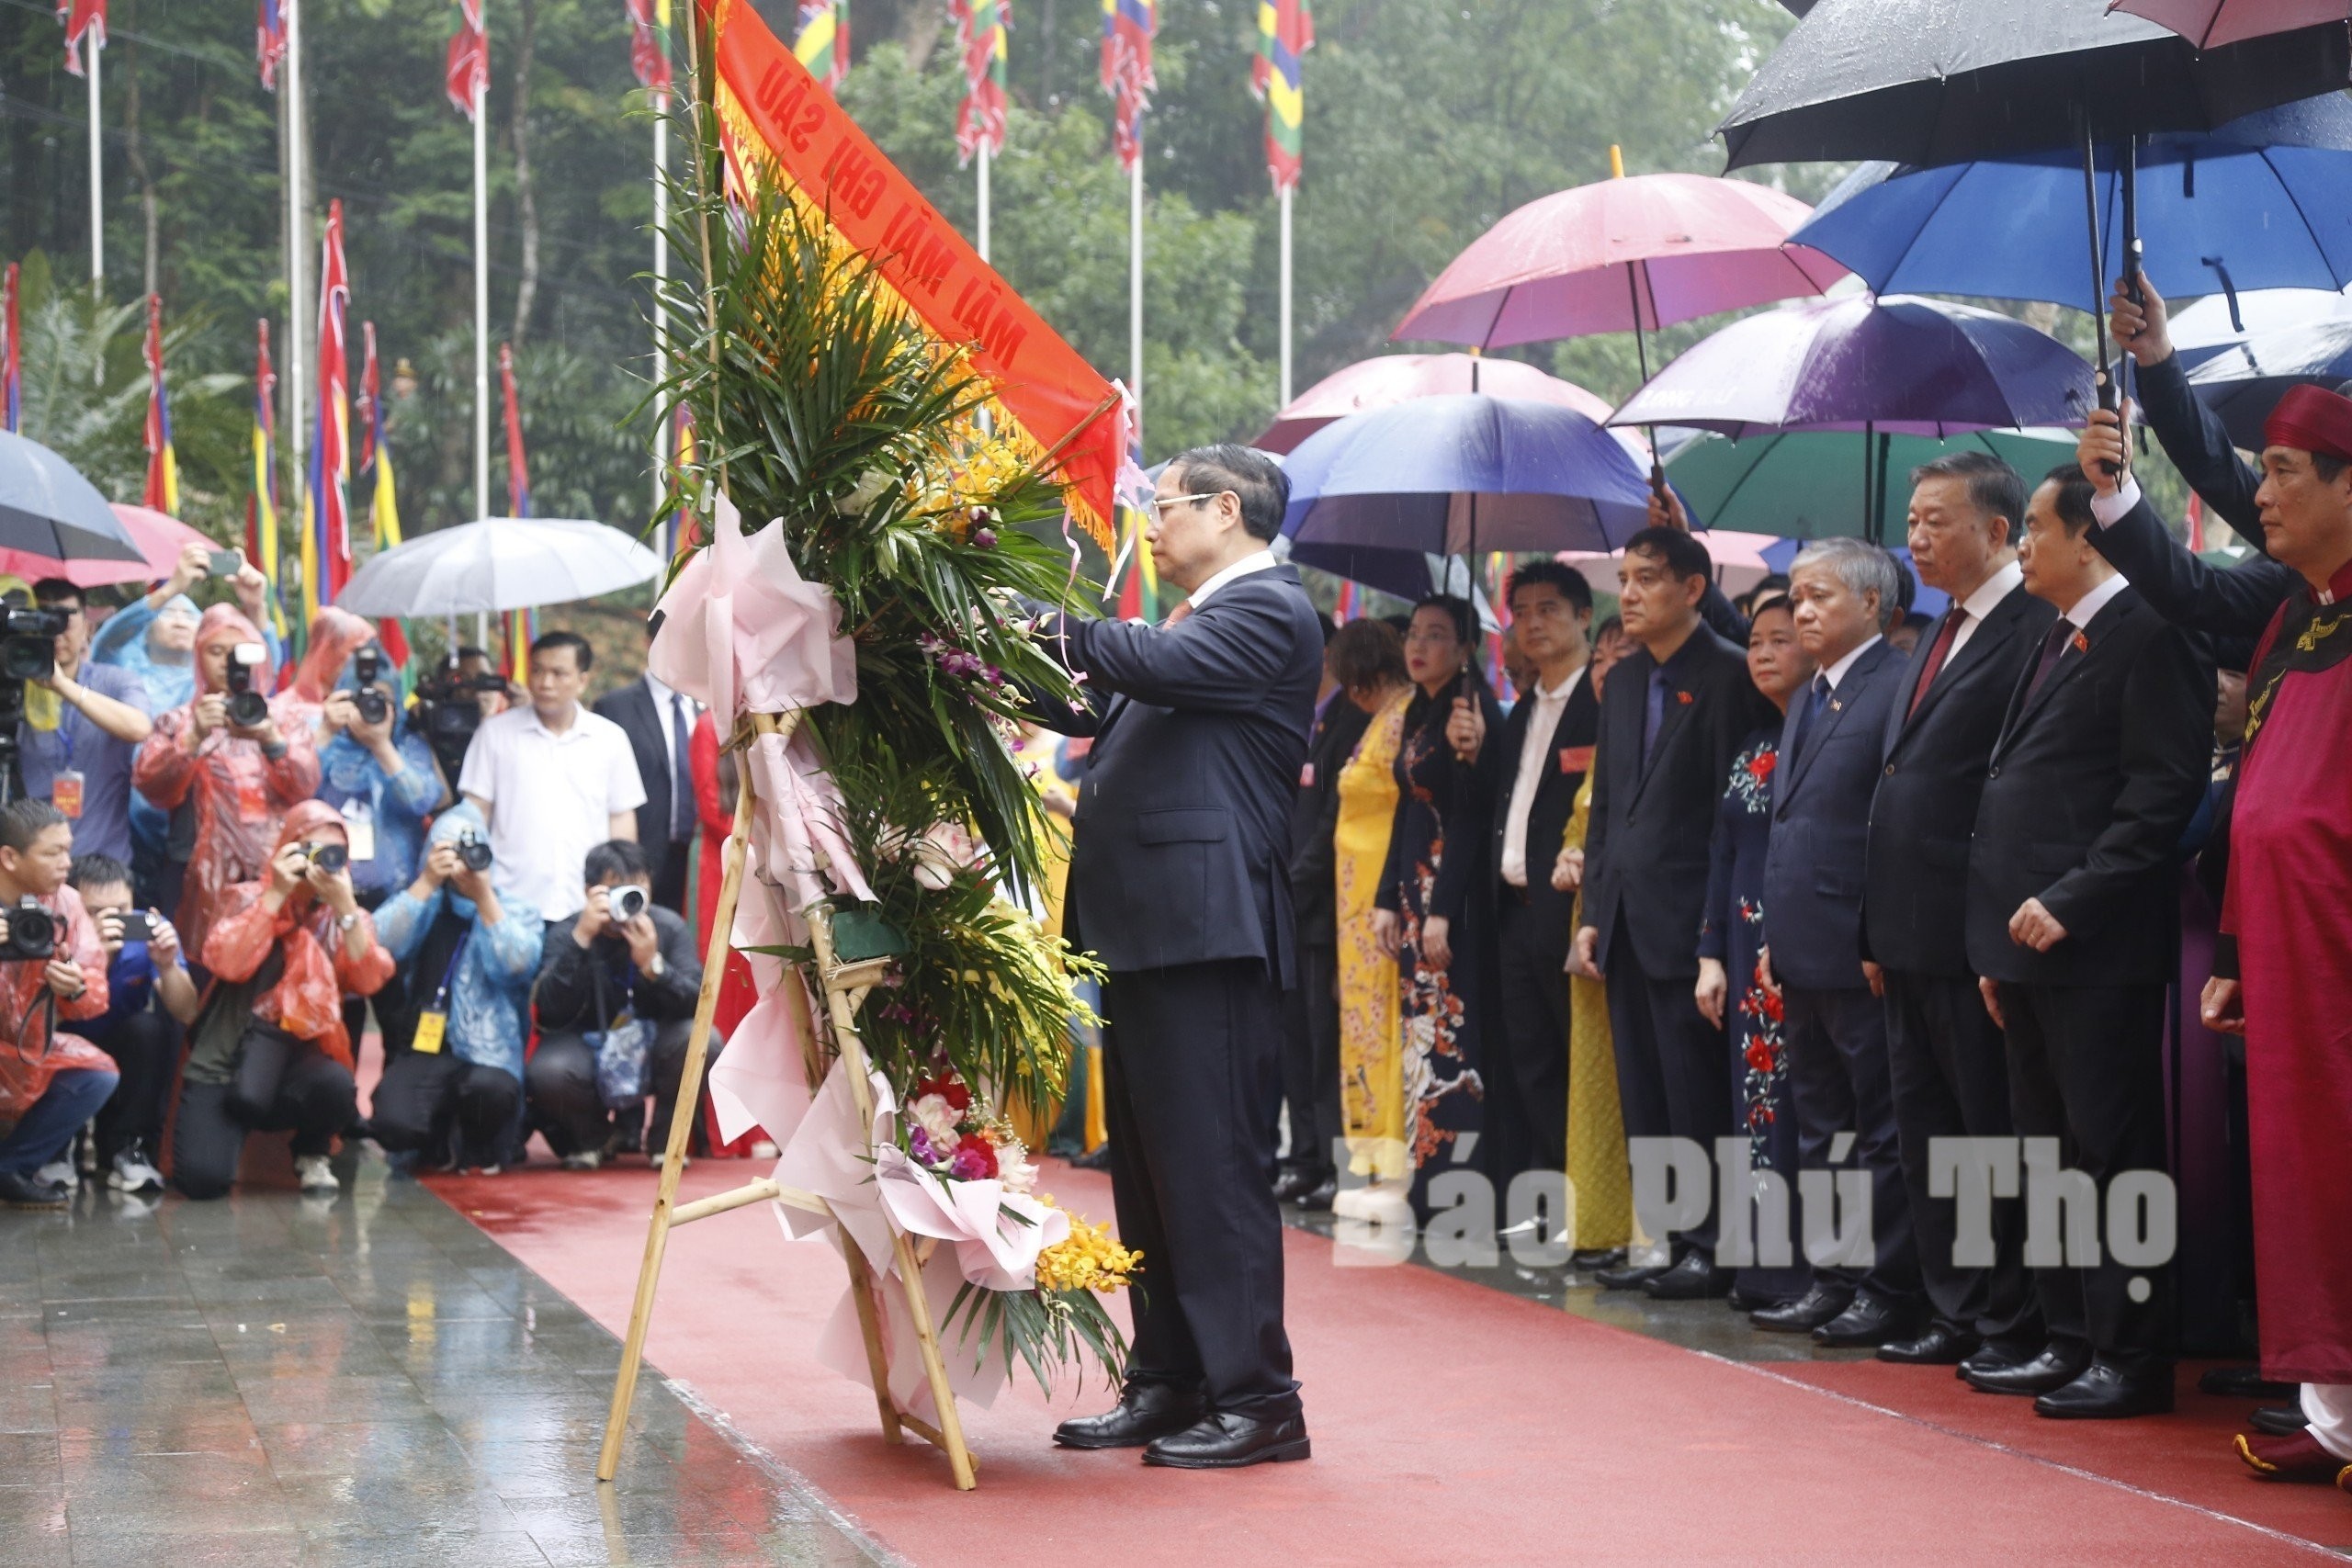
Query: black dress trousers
x=1311, y=1060
x=1533, y=1001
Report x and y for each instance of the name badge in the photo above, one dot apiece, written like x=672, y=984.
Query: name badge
x=65, y=793
x=431, y=1029
x=359, y=828
x=1576, y=758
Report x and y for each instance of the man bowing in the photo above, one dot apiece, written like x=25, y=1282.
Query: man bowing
x=1179, y=881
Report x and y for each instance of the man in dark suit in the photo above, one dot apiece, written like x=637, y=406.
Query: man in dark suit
x=1675, y=712
x=1179, y=881
x=659, y=724
x=2072, y=911
x=1542, y=754
x=1844, y=593
x=1948, y=1065
x=1311, y=1008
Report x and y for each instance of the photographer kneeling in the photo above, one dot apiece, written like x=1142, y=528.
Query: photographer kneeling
x=270, y=1053
x=50, y=967
x=144, y=965
x=453, y=1066
x=616, y=997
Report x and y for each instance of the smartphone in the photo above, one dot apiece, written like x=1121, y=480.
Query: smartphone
x=223, y=563
x=135, y=925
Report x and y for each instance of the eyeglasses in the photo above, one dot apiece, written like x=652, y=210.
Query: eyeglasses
x=1158, y=504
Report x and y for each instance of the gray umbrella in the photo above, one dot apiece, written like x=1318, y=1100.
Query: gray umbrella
x=499, y=563
x=49, y=509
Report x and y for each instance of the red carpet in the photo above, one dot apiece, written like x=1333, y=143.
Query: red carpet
x=1452, y=1423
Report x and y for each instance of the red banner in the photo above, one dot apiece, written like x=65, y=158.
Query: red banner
x=1058, y=399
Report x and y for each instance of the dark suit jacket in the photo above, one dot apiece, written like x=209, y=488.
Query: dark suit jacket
x=1315, y=815
x=1567, y=756
x=2090, y=786
x=1180, y=851
x=1821, y=804
x=1646, y=848
x=632, y=708
x=1932, y=767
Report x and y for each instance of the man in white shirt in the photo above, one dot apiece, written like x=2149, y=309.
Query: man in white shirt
x=553, y=780
x=659, y=724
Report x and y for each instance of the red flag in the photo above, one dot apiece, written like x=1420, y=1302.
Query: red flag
x=269, y=41
x=328, y=542
x=518, y=469
x=163, y=493
x=981, y=27
x=469, y=72
x=82, y=17
x=649, y=47
x=1127, y=30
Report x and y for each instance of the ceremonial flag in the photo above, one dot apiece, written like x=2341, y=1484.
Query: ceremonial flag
x=468, y=77
x=163, y=465
x=518, y=471
x=269, y=41
x=981, y=28
x=1286, y=32
x=261, y=507
x=1127, y=30
x=326, y=533
x=12, y=371
x=82, y=17
x=822, y=40
x=1343, y=608
x=648, y=44
x=384, y=508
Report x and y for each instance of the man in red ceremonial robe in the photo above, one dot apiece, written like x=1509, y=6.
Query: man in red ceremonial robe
x=2282, y=977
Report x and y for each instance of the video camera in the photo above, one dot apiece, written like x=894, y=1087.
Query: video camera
x=248, y=709
x=28, y=653
x=32, y=933
x=366, y=669
x=448, y=710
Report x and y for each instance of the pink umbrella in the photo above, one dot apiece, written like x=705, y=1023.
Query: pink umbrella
x=1393, y=379
x=2210, y=24
x=1739, y=560
x=159, y=537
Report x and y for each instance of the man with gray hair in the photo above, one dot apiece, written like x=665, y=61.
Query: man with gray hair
x=1845, y=593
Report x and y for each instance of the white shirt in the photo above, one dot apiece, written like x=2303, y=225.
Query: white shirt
x=1981, y=603
x=2092, y=603
x=1263, y=560
x=552, y=798
x=1837, y=671
x=665, y=706
x=1534, y=752
x=2110, y=510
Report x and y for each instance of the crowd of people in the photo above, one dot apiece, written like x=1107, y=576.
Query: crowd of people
x=214, y=870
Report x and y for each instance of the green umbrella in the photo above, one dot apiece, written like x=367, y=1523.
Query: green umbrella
x=1811, y=484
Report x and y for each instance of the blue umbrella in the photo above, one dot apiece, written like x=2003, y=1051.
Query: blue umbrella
x=1375, y=494
x=2260, y=203
x=48, y=509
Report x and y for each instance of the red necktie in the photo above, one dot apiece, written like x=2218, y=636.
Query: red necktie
x=1937, y=653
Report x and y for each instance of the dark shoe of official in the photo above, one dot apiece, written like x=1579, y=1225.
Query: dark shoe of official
x=1145, y=1411
x=2278, y=1420
x=1325, y=1193
x=1807, y=1312
x=1223, y=1440
x=1099, y=1161
x=2296, y=1457
x=1742, y=1300
x=1628, y=1276
x=1997, y=1355
x=2055, y=1368
x=2243, y=1383
x=1940, y=1346
x=1868, y=1322
x=2107, y=1393
x=1294, y=1185
x=27, y=1190
x=1695, y=1279
x=1594, y=1259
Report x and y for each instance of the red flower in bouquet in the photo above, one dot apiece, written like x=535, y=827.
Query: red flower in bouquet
x=949, y=1088
x=975, y=1159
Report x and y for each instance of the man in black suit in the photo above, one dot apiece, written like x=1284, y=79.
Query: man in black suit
x=2072, y=912
x=659, y=724
x=1675, y=712
x=1948, y=1065
x=1542, y=754
x=1179, y=881
x=1311, y=1008
x=1844, y=593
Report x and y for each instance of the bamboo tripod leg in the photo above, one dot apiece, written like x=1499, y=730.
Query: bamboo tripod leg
x=657, y=1233
x=869, y=1324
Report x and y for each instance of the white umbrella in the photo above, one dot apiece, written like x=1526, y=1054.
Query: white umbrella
x=498, y=564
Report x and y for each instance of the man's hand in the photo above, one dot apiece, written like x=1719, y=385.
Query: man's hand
x=1567, y=871
x=1712, y=990
x=1437, y=941
x=2143, y=330
x=196, y=560
x=332, y=889
x=266, y=732
x=1384, y=931
x=1876, y=977
x=251, y=588
x=470, y=883
x=110, y=924
x=442, y=864
x=210, y=713
x=1667, y=512
x=644, y=942
x=286, y=869
x=597, y=917
x=1764, y=975
x=1991, y=991
x=1465, y=731
x=2222, y=1007
x=1581, y=953
x=337, y=713
x=377, y=737
x=163, y=941
x=65, y=976
x=2103, y=442
x=2035, y=927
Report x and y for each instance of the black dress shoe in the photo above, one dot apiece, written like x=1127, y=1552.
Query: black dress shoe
x=1293, y=1185
x=1870, y=1321
x=1594, y=1259
x=1145, y=1411
x=1742, y=1299
x=2055, y=1368
x=2105, y=1392
x=1223, y=1440
x=1940, y=1346
x=1995, y=1355
x=1319, y=1200
x=1628, y=1276
x=1805, y=1313
x=1695, y=1279
x=2244, y=1383
x=25, y=1190
x=2279, y=1420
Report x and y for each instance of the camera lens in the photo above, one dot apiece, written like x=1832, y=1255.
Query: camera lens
x=247, y=709
x=28, y=658
x=473, y=852
x=32, y=930
x=373, y=706
x=329, y=857
x=628, y=903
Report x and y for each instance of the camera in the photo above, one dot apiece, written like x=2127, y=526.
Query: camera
x=29, y=643
x=473, y=850
x=628, y=903
x=248, y=709
x=366, y=669
x=32, y=933
x=329, y=858
x=448, y=710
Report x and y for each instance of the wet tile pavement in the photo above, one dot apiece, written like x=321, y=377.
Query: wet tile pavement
x=275, y=1380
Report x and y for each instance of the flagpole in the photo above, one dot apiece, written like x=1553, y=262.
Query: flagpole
x=481, y=296
x=1134, y=280
x=1286, y=308
x=660, y=295
x=296, y=238
x=90, y=52
x=984, y=199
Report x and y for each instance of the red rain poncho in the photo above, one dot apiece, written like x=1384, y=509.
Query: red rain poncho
x=238, y=795
x=335, y=635
x=307, y=1001
x=31, y=1051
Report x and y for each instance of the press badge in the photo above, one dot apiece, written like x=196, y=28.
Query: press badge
x=1576, y=759
x=66, y=794
x=359, y=828
x=253, y=800
x=431, y=1027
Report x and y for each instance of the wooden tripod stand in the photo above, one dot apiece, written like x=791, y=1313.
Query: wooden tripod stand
x=844, y=986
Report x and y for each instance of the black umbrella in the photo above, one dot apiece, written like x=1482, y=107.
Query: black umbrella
x=49, y=509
